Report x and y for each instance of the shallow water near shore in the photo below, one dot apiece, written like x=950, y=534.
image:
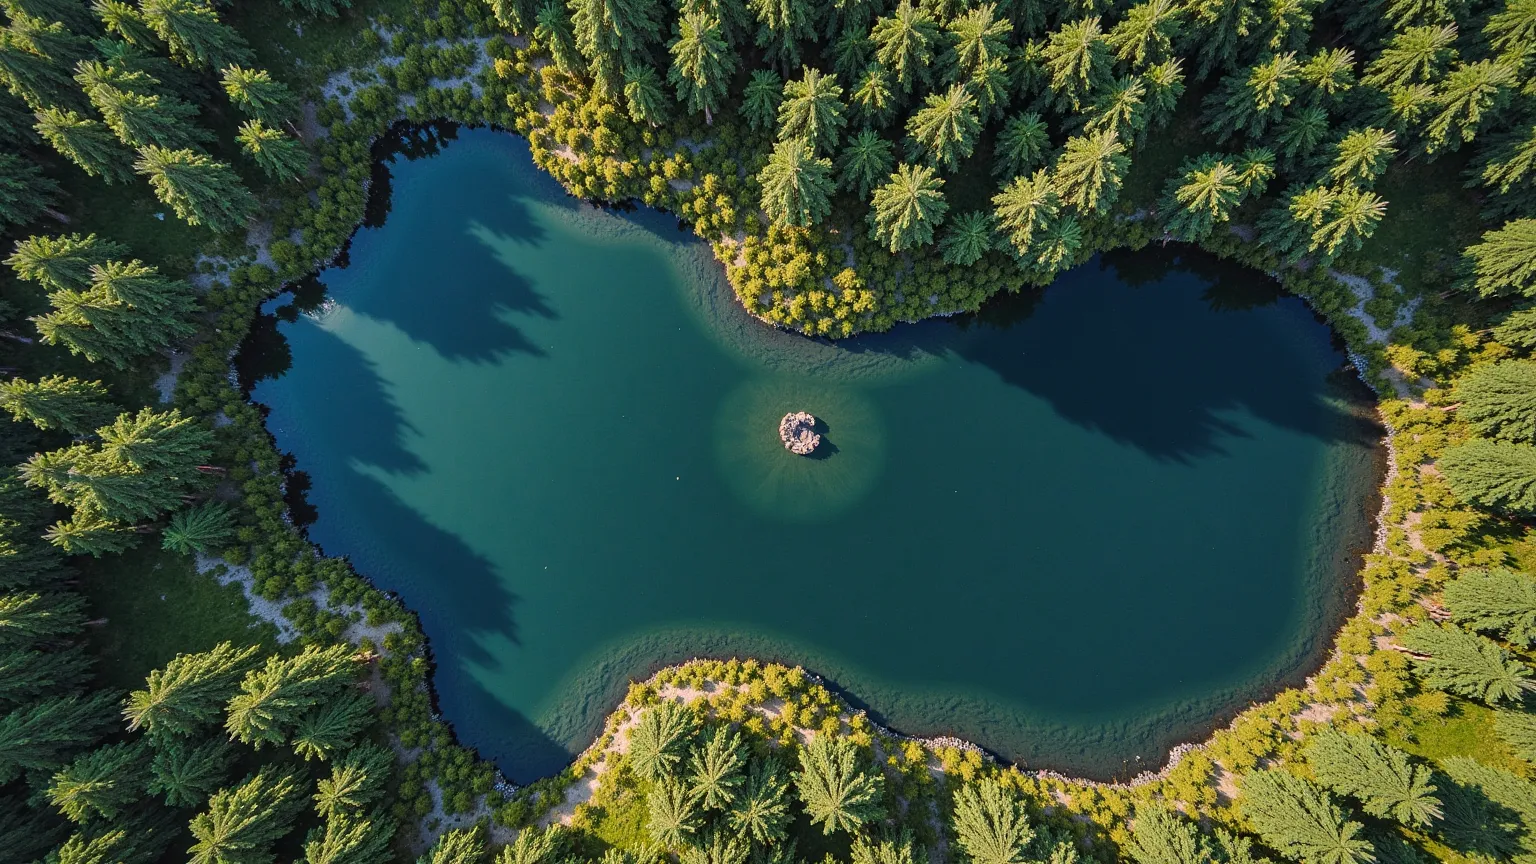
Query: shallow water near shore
x=1076, y=529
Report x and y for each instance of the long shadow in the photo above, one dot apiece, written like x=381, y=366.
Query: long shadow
x=1172, y=400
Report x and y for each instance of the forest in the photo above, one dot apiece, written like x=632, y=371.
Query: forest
x=168, y=165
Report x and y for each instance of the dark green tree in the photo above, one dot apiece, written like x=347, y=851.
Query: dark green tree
x=186, y=774
x=1379, y=776
x=87, y=142
x=761, y=811
x=200, y=189
x=702, y=63
x=57, y=402
x=188, y=696
x=1079, y=61
x=63, y=262
x=243, y=822
x=1499, y=400
x=199, y=528
x=673, y=813
x=968, y=237
x=275, y=698
x=614, y=35
x=1495, y=600
x=866, y=161
x=905, y=210
x=1450, y=658
x=25, y=193
x=254, y=92
x=43, y=736
x=991, y=824
x=659, y=741
x=1301, y=820
x=644, y=96
x=1497, y=475
x=194, y=33
x=1088, y=174
x=1021, y=145
x=100, y=783
x=333, y=727
x=1159, y=836
x=1505, y=261
x=945, y=129
x=760, y=101
x=812, y=111
x=906, y=43
x=715, y=768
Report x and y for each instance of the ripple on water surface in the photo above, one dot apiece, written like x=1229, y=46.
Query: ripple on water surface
x=1076, y=529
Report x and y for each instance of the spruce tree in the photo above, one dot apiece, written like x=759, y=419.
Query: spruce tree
x=57, y=402
x=702, y=63
x=29, y=673
x=1496, y=475
x=358, y=781
x=873, y=100
x=1362, y=155
x=644, y=96
x=760, y=101
x=279, y=156
x=274, y=699
x=1301, y=820
x=141, y=115
x=781, y=26
x=87, y=142
x=659, y=741
x=351, y=840
x=1378, y=776
x=28, y=618
x=91, y=534
x=715, y=768
x=1450, y=658
x=673, y=813
x=186, y=774
x=189, y=694
x=243, y=822
x=1495, y=600
x=1248, y=105
x=194, y=33
x=991, y=823
x=201, y=190
x=905, y=210
x=865, y=162
x=198, y=529
x=24, y=192
x=838, y=793
x=64, y=262
x=797, y=186
x=761, y=812
x=976, y=37
x=101, y=783
x=812, y=111
x=1119, y=109
x=1078, y=58
x=1505, y=261
x=1414, y=55
x=331, y=728
x=906, y=42
x=614, y=35
x=968, y=237
x=1159, y=836
x=1518, y=730
x=1203, y=196
x=1471, y=93
x=1499, y=400
x=1088, y=174
x=37, y=78
x=1025, y=209
x=254, y=92
x=1021, y=145
x=124, y=20
x=43, y=736
x=1145, y=35
x=945, y=129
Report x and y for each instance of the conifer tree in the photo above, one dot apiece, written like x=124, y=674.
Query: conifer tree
x=1220, y=25
x=243, y=822
x=105, y=323
x=1119, y=108
x=1495, y=600
x=889, y=848
x=57, y=402
x=715, y=768
x=1025, y=209
x=197, y=529
x=1301, y=820
x=1248, y=105
x=1505, y=261
x=1165, y=84
x=1203, y=196
x=42, y=736
x=274, y=152
x=614, y=35
x=839, y=794
x=1145, y=35
x=124, y=20
x=644, y=96
x=554, y=29
x=1021, y=145
x=760, y=812
x=517, y=16
x=200, y=189
x=1378, y=776
x=991, y=824
x=1329, y=74
x=87, y=142
x=1518, y=329
x=906, y=42
x=812, y=111
x=976, y=38
x=1090, y=170
x=1499, y=400
x=31, y=617
x=37, y=78
x=140, y=114
x=458, y=846
x=1450, y=658
x=865, y=162
x=535, y=846
x=1518, y=730
x=332, y=727
x=1362, y=155
x=873, y=100
x=189, y=694
x=1159, y=836
x=673, y=813
x=1496, y=475
x=1469, y=94
x=194, y=33
x=968, y=237
x=1350, y=220
x=702, y=63
x=357, y=782
x=100, y=783
x=945, y=129
x=28, y=673
x=1078, y=58
x=781, y=26
x=659, y=741
x=905, y=210
x=797, y=186
x=274, y=699
x=63, y=262
x=254, y=92
x=760, y=101
x=1298, y=137
x=24, y=192
x=1415, y=55
x=90, y=534
x=184, y=774
x=350, y=840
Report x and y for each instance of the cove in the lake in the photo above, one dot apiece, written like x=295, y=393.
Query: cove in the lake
x=1076, y=529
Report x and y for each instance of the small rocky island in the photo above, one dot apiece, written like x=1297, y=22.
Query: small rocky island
x=798, y=432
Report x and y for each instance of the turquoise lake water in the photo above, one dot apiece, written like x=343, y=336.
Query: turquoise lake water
x=1077, y=529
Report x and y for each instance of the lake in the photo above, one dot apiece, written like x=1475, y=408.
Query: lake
x=1078, y=528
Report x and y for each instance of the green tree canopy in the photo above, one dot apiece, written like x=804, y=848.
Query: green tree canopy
x=1495, y=600
x=991, y=824
x=1378, y=776
x=1301, y=820
x=1497, y=475
x=812, y=111
x=907, y=208
x=839, y=794
x=57, y=402
x=797, y=186
x=1450, y=658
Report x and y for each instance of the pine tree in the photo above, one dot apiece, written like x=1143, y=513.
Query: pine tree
x=535, y=846
x=1203, y=196
x=945, y=130
x=1495, y=475
x=1378, y=776
x=1079, y=60
x=673, y=813
x=1330, y=73
x=243, y=822
x=156, y=440
x=614, y=35
x=24, y=192
x=198, y=529
x=87, y=142
x=1021, y=145
x=812, y=111
x=1362, y=155
x=274, y=699
x=124, y=20
x=1495, y=600
x=1145, y=35
x=105, y=323
x=329, y=8
x=42, y=736
x=458, y=846
x=1499, y=400
x=1450, y=658
x=839, y=794
x=1415, y=55
x=968, y=237
x=906, y=42
x=1512, y=31
x=1165, y=84
x=760, y=101
x=254, y=92
x=33, y=75
x=90, y=534
x=350, y=840
x=1470, y=94
x=782, y=26
x=273, y=151
x=332, y=727
x=1351, y=219
x=185, y=775
x=873, y=100
x=659, y=741
x=201, y=190
x=194, y=33
x=31, y=617
x=1248, y=105
x=1518, y=730
x=761, y=812
x=554, y=29
x=1025, y=209
x=797, y=186
x=702, y=63
x=516, y=16
x=57, y=402
x=1511, y=794
x=644, y=97
x=1505, y=261
x=715, y=768
x=100, y=783
x=1159, y=836
x=27, y=673
x=358, y=779
x=1220, y=25
x=139, y=113
x=865, y=163
x=1517, y=330
x=1298, y=137
x=1090, y=170
x=1301, y=820
x=63, y=262
x=976, y=38
x=189, y=694
x=991, y=824
x=907, y=208
x=1119, y=108
x=1508, y=166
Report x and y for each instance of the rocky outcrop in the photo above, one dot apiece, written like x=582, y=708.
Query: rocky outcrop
x=798, y=432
